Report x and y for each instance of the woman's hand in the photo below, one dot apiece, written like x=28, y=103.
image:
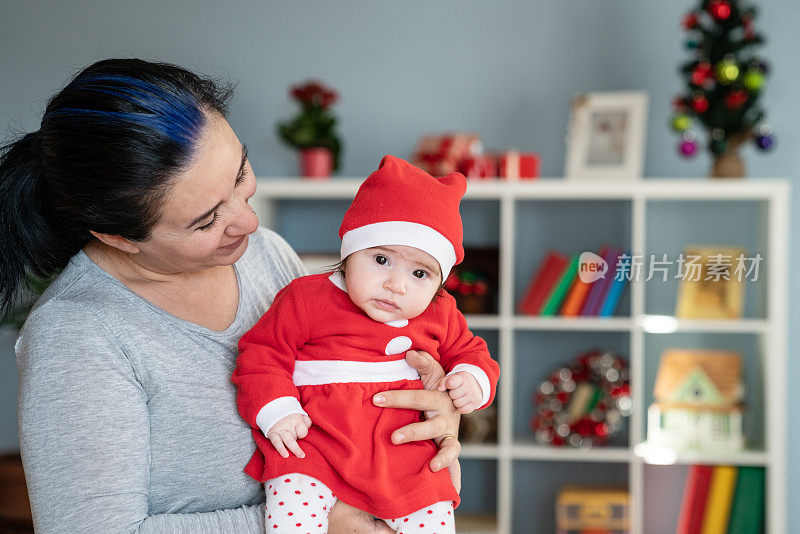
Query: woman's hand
x=344, y=519
x=442, y=418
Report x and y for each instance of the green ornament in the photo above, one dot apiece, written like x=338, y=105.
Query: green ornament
x=718, y=146
x=681, y=123
x=692, y=45
x=727, y=71
x=753, y=80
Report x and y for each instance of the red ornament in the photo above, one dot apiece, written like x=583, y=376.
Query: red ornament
x=690, y=21
x=679, y=103
x=702, y=72
x=720, y=9
x=736, y=98
x=700, y=103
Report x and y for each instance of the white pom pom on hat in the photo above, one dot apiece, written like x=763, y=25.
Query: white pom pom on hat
x=400, y=204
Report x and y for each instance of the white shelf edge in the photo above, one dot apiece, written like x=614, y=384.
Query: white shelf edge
x=656, y=324
x=648, y=323
x=565, y=454
x=744, y=457
x=572, y=323
x=549, y=188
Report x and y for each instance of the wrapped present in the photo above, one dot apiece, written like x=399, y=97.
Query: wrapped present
x=443, y=153
x=481, y=167
x=515, y=165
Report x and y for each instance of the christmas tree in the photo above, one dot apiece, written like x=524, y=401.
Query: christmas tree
x=724, y=80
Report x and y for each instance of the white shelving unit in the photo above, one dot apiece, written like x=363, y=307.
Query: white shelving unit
x=767, y=325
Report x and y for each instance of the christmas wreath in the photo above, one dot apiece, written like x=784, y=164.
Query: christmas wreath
x=585, y=403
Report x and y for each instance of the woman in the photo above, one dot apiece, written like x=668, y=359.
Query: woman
x=137, y=187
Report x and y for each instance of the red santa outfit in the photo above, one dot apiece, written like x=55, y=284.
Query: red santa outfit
x=316, y=352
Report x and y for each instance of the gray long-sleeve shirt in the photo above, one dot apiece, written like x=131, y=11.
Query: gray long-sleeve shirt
x=127, y=415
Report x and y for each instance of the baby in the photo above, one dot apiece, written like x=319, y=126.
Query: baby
x=309, y=368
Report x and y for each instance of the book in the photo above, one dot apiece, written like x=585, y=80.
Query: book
x=720, y=497
x=542, y=282
x=600, y=287
x=693, y=504
x=559, y=292
x=618, y=282
x=576, y=298
x=747, y=511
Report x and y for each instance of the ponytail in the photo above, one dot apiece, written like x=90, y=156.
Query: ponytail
x=29, y=243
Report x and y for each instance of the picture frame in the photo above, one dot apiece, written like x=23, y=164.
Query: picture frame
x=606, y=136
x=714, y=291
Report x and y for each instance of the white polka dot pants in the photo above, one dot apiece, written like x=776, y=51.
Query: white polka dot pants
x=434, y=519
x=299, y=504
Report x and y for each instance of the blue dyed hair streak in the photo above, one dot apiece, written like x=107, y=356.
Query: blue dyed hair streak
x=109, y=146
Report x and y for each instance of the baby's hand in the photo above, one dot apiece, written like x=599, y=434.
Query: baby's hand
x=287, y=431
x=464, y=391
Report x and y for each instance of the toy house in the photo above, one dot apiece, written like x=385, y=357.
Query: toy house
x=698, y=401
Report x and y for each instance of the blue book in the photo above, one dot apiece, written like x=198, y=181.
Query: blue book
x=615, y=291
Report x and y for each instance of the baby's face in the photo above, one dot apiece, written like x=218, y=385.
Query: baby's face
x=392, y=282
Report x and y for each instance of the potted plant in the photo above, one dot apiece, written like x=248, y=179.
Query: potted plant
x=312, y=129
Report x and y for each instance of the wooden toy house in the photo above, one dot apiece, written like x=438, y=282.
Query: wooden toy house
x=698, y=401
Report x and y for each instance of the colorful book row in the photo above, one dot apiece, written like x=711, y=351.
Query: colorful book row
x=556, y=287
x=722, y=500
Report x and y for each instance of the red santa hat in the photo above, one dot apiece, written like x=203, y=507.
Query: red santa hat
x=400, y=204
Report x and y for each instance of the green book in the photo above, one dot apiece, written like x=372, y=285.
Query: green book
x=559, y=293
x=747, y=511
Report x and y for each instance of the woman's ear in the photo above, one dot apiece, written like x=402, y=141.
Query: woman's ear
x=116, y=241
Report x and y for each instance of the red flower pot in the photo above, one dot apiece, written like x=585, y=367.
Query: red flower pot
x=316, y=162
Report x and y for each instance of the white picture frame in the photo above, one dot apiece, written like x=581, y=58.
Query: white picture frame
x=606, y=136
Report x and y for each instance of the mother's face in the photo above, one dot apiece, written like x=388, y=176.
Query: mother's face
x=206, y=218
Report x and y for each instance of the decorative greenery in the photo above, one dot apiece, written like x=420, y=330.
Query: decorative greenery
x=313, y=126
x=724, y=79
x=32, y=290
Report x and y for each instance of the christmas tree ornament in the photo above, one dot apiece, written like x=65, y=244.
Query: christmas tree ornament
x=736, y=98
x=687, y=148
x=702, y=72
x=724, y=78
x=765, y=140
x=727, y=71
x=699, y=103
x=681, y=122
x=720, y=9
x=690, y=21
x=679, y=104
x=718, y=146
x=753, y=80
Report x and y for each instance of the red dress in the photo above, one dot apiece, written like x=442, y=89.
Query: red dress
x=315, y=336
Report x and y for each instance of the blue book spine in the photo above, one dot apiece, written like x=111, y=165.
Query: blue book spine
x=615, y=291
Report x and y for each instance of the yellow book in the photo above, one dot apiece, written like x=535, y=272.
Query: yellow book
x=720, y=496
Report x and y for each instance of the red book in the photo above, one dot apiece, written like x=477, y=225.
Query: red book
x=542, y=282
x=693, y=504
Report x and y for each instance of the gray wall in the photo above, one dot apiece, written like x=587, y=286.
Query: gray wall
x=504, y=69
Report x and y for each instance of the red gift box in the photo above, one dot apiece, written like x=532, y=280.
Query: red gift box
x=515, y=165
x=442, y=154
x=481, y=167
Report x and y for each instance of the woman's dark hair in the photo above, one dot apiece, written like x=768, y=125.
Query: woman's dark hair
x=108, y=149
